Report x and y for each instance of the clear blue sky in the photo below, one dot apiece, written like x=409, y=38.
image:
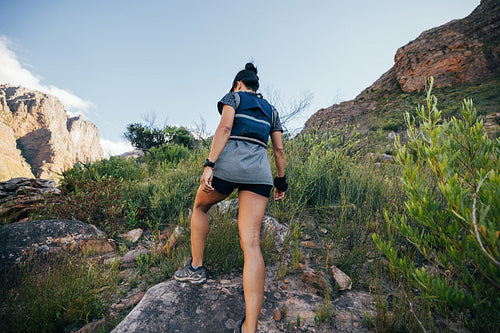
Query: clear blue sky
x=117, y=61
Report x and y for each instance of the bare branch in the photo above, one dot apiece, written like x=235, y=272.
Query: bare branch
x=289, y=110
x=200, y=130
x=411, y=309
x=474, y=199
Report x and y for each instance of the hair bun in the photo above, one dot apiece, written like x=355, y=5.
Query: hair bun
x=250, y=67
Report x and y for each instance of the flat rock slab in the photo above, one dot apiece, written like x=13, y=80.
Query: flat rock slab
x=216, y=306
x=42, y=236
x=180, y=307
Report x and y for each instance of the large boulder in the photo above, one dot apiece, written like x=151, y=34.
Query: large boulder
x=216, y=306
x=179, y=307
x=41, y=238
x=19, y=196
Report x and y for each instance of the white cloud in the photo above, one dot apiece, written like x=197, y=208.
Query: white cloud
x=112, y=148
x=13, y=72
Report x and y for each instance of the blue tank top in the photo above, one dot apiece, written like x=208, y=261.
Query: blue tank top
x=252, y=120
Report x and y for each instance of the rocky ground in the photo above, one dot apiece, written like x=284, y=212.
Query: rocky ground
x=291, y=304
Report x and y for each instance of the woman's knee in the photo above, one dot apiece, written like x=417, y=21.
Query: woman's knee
x=201, y=207
x=250, y=244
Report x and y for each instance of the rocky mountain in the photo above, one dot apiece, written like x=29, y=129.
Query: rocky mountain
x=465, y=51
x=38, y=138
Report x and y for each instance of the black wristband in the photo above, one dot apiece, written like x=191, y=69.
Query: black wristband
x=208, y=163
x=280, y=183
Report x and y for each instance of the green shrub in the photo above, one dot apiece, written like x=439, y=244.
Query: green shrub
x=96, y=202
x=119, y=168
x=222, y=250
x=452, y=216
x=166, y=155
x=168, y=192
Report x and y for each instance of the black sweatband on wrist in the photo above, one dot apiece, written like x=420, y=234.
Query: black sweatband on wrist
x=280, y=183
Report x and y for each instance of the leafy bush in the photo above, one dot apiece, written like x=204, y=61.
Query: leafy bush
x=335, y=190
x=166, y=155
x=146, y=137
x=451, y=179
x=118, y=168
x=168, y=192
x=96, y=202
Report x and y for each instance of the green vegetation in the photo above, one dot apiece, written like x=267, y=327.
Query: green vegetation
x=390, y=106
x=146, y=137
x=49, y=295
x=452, y=218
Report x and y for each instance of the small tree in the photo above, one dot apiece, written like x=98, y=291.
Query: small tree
x=146, y=137
x=452, y=181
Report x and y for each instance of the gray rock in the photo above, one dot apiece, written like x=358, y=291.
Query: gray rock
x=132, y=236
x=228, y=206
x=42, y=237
x=352, y=308
x=130, y=258
x=179, y=307
x=217, y=305
x=271, y=225
x=19, y=196
x=342, y=279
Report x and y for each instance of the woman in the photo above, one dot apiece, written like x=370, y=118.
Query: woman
x=238, y=159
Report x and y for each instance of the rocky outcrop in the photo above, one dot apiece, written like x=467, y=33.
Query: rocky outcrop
x=12, y=163
x=461, y=51
x=19, y=196
x=216, y=307
x=45, y=137
x=41, y=238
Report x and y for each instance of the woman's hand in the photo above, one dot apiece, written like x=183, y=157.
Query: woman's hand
x=206, y=180
x=278, y=195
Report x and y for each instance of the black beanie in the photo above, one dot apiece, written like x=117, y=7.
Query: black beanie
x=248, y=76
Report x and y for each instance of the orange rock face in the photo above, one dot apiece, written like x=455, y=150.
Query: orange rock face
x=45, y=137
x=460, y=51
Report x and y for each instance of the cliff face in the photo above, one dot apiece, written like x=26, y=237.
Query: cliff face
x=45, y=137
x=461, y=51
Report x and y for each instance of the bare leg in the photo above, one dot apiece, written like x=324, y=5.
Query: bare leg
x=251, y=212
x=199, y=222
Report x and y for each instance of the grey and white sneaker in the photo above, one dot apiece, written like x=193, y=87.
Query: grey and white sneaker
x=189, y=274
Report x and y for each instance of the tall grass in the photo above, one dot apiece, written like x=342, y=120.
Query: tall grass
x=50, y=295
x=343, y=192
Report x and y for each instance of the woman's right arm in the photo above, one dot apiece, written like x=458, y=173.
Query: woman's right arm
x=222, y=133
x=221, y=136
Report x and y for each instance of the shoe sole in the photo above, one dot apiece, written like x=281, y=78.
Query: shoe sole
x=195, y=282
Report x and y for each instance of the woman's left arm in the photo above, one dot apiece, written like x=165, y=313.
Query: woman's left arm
x=279, y=159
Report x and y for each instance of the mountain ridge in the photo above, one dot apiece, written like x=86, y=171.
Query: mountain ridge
x=39, y=139
x=462, y=51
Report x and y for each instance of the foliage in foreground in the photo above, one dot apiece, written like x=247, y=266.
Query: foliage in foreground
x=451, y=179
x=50, y=295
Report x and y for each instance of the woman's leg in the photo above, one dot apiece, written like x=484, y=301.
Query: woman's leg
x=199, y=222
x=251, y=212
